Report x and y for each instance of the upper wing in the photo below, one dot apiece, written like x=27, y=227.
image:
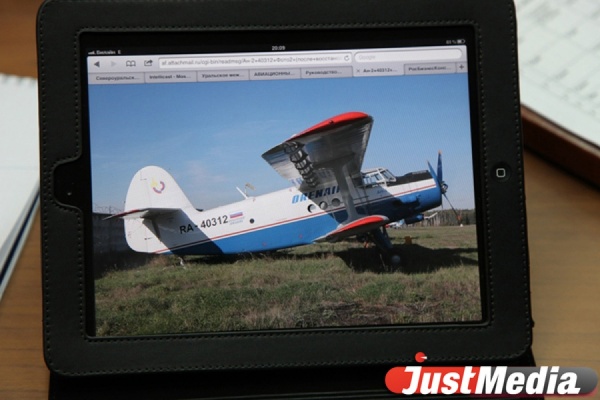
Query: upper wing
x=309, y=158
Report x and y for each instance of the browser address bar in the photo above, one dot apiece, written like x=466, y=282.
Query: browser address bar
x=271, y=60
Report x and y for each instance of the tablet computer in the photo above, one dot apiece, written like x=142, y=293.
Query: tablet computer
x=247, y=185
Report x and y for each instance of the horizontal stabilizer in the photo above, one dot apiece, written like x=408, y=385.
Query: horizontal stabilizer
x=143, y=213
x=356, y=227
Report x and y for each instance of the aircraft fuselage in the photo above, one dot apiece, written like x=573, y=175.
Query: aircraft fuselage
x=281, y=219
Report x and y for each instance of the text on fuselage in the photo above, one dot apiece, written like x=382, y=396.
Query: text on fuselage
x=315, y=194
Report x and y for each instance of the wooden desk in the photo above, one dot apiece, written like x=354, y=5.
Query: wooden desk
x=564, y=233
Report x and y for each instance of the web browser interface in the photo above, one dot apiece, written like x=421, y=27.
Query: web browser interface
x=182, y=138
x=118, y=69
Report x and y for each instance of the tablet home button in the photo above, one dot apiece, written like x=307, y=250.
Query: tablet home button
x=501, y=172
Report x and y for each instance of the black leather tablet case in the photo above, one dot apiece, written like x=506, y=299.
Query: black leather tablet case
x=188, y=366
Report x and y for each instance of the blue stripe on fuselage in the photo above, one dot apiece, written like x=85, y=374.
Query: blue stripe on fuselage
x=307, y=229
x=286, y=234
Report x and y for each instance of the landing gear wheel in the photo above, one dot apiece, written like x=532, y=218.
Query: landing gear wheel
x=389, y=256
x=395, y=260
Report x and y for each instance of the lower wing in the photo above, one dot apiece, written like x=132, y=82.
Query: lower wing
x=356, y=227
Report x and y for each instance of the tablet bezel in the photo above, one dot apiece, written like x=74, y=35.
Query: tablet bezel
x=70, y=350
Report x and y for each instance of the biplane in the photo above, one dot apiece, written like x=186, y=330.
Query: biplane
x=329, y=199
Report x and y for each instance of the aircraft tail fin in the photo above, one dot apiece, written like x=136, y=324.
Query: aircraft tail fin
x=153, y=188
x=153, y=199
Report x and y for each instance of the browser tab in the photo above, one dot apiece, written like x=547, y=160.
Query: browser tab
x=327, y=72
x=116, y=78
x=272, y=74
x=428, y=69
x=170, y=77
x=213, y=76
x=384, y=69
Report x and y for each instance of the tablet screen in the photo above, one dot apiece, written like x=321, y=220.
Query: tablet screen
x=251, y=181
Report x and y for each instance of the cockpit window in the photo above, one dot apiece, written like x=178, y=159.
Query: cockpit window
x=388, y=176
x=368, y=180
x=378, y=177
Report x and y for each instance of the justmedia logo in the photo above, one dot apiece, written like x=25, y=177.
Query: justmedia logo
x=499, y=381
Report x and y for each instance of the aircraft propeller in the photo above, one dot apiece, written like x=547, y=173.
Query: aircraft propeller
x=438, y=176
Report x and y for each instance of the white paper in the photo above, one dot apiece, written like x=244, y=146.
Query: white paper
x=559, y=61
x=19, y=166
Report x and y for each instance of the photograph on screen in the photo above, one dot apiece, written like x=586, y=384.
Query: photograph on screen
x=296, y=190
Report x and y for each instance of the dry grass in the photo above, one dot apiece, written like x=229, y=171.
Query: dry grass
x=322, y=285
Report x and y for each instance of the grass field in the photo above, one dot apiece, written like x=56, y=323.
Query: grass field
x=321, y=285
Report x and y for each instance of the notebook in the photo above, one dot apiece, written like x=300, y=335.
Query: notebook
x=559, y=60
x=19, y=167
